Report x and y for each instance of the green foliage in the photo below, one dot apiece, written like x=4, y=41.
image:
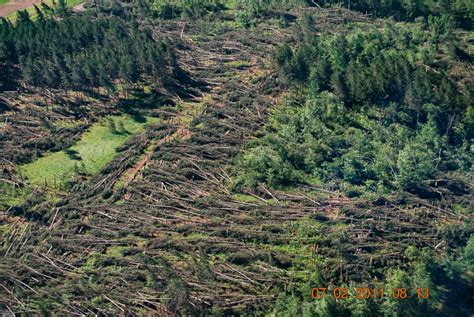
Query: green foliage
x=176, y=295
x=461, y=10
x=292, y=65
x=467, y=259
x=250, y=12
x=412, y=305
x=267, y=166
x=390, y=132
x=112, y=126
x=11, y=195
x=185, y=8
x=418, y=160
x=424, y=269
x=85, y=51
x=295, y=306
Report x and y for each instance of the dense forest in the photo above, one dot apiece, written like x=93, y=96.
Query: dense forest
x=373, y=111
x=84, y=52
x=461, y=11
x=208, y=157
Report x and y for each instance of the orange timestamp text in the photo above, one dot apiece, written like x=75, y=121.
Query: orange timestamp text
x=370, y=293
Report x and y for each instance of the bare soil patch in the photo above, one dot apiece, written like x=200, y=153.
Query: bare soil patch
x=15, y=5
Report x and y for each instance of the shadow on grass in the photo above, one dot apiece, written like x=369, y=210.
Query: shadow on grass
x=118, y=128
x=121, y=132
x=73, y=155
x=138, y=117
x=143, y=101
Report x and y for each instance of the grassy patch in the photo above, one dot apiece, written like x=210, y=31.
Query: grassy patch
x=244, y=198
x=238, y=64
x=2, y=2
x=4, y=230
x=11, y=196
x=91, y=262
x=116, y=251
x=96, y=148
x=60, y=124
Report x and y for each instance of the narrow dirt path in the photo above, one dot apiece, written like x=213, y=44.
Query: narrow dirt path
x=130, y=174
x=213, y=61
x=184, y=190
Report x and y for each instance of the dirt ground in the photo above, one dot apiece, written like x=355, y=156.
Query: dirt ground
x=15, y=5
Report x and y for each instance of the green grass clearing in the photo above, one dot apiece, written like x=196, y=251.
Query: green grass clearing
x=2, y=2
x=94, y=150
x=252, y=199
x=238, y=64
x=11, y=196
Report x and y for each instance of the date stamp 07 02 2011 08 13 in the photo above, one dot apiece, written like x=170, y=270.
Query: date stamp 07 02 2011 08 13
x=370, y=293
